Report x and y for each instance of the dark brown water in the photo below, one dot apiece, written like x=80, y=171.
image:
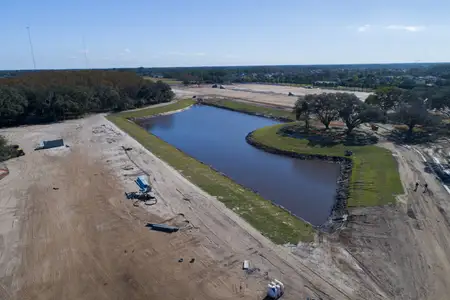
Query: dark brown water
x=217, y=137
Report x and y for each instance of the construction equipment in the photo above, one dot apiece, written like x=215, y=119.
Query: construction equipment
x=50, y=144
x=144, y=190
x=17, y=151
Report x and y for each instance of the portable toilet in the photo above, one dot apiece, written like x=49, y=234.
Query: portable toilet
x=280, y=285
x=272, y=291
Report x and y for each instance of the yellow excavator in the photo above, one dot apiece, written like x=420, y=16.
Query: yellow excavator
x=17, y=151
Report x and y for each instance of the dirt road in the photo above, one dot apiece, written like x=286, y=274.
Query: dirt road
x=259, y=93
x=67, y=232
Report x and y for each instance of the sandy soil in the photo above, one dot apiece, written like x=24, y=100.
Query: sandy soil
x=261, y=93
x=67, y=232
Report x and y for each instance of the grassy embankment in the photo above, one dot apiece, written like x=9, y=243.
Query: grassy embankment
x=272, y=221
x=254, y=109
x=165, y=80
x=375, y=179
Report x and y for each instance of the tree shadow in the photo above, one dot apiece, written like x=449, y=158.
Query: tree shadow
x=416, y=138
x=329, y=137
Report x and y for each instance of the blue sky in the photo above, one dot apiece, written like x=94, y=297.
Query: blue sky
x=154, y=33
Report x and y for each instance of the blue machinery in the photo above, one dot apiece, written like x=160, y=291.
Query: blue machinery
x=144, y=190
x=143, y=185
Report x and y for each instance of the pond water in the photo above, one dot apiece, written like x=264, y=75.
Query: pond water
x=217, y=137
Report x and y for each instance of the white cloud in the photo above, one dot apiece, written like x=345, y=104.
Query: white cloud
x=125, y=52
x=363, y=28
x=406, y=28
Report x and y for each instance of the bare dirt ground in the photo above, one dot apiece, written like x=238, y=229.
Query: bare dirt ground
x=67, y=232
x=261, y=93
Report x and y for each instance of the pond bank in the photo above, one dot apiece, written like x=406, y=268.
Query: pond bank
x=339, y=209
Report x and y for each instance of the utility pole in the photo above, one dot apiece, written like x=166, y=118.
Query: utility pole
x=31, y=47
x=85, y=53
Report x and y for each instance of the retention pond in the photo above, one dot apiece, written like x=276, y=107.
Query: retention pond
x=217, y=138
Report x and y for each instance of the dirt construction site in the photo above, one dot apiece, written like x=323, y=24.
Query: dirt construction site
x=282, y=96
x=68, y=232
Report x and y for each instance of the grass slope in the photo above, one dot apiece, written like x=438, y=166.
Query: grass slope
x=272, y=221
x=254, y=109
x=375, y=179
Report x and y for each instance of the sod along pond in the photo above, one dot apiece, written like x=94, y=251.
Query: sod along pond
x=306, y=188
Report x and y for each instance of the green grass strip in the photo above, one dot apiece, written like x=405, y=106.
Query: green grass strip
x=272, y=221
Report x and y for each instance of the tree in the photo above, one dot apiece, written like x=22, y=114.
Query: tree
x=413, y=111
x=5, y=149
x=12, y=104
x=439, y=99
x=324, y=106
x=302, y=110
x=354, y=112
x=386, y=98
x=44, y=96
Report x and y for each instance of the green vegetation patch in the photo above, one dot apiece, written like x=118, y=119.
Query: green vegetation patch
x=254, y=109
x=375, y=179
x=273, y=222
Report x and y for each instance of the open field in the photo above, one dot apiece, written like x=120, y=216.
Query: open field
x=259, y=93
x=67, y=232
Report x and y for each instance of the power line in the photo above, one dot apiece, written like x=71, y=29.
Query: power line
x=31, y=47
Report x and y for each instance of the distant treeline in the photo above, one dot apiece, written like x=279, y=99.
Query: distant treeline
x=406, y=76
x=49, y=96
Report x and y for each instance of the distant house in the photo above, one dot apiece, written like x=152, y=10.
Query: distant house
x=325, y=82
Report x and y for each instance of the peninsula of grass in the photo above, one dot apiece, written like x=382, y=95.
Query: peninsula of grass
x=252, y=109
x=272, y=221
x=374, y=180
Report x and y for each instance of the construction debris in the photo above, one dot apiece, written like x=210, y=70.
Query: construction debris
x=162, y=227
x=50, y=144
